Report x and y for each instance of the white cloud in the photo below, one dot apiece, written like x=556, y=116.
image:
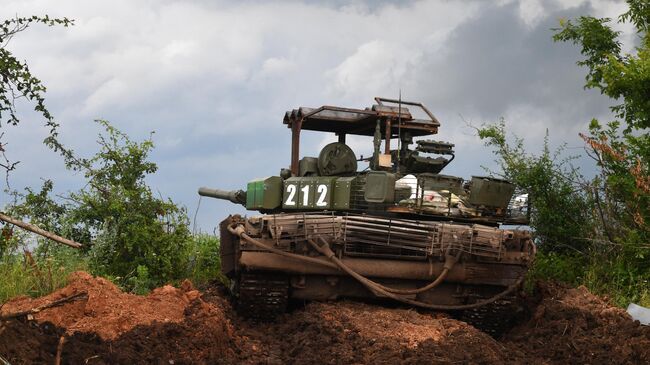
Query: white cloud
x=277, y=66
x=213, y=78
x=531, y=12
x=375, y=66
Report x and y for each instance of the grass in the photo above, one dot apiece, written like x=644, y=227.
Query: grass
x=614, y=276
x=204, y=266
x=48, y=267
x=205, y=260
x=22, y=275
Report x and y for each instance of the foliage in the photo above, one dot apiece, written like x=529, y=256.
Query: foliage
x=132, y=237
x=204, y=259
x=560, y=213
x=136, y=234
x=621, y=148
x=617, y=263
x=568, y=267
x=623, y=182
x=17, y=81
x=141, y=282
x=34, y=266
x=620, y=277
x=622, y=281
x=610, y=211
x=48, y=213
x=24, y=274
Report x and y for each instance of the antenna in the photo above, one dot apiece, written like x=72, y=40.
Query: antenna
x=399, y=128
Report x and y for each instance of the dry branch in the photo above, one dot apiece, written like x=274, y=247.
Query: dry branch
x=78, y=296
x=59, y=350
x=32, y=228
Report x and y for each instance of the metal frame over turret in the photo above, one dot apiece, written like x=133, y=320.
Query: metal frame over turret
x=392, y=121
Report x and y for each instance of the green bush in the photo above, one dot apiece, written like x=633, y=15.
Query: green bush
x=561, y=213
x=566, y=268
x=136, y=239
x=204, y=260
x=619, y=256
x=141, y=282
x=140, y=240
x=619, y=277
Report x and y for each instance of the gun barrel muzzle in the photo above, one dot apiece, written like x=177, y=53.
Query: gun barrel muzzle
x=235, y=196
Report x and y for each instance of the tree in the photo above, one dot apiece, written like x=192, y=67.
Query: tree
x=17, y=81
x=136, y=235
x=610, y=211
x=560, y=214
x=621, y=147
x=130, y=235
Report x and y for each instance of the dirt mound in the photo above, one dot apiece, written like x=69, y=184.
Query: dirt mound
x=183, y=326
x=356, y=333
x=573, y=324
x=108, y=311
x=169, y=325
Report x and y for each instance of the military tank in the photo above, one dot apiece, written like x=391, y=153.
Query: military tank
x=398, y=230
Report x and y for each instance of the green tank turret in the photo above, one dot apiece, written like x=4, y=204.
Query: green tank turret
x=398, y=230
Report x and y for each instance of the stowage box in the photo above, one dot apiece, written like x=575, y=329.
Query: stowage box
x=264, y=193
x=490, y=192
x=380, y=187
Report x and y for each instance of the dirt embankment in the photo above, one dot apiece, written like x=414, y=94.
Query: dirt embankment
x=168, y=326
x=184, y=326
x=571, y=325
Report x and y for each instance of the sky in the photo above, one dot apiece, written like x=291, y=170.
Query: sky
x=213, y=79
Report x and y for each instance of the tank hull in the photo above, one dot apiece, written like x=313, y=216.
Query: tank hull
x=403, y=255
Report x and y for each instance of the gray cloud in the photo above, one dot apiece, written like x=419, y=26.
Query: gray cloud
x=213, y=79
x=496, y=60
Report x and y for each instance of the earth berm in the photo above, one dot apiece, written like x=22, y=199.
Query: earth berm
x=187, y=326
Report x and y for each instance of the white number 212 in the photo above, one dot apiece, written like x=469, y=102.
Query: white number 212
x=321, y=190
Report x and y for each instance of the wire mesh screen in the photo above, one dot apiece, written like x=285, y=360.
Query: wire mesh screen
x=362, y=235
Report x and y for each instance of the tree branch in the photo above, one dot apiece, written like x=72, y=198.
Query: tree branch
x=39, y=231
x=78, y=296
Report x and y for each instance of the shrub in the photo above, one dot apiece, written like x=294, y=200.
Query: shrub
x=204, y=260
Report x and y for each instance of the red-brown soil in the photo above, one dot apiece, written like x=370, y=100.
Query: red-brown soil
x=113, y=327
x=184, y=326
x=571, y=325
x=108, y=312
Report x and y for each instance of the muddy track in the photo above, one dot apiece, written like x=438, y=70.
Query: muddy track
x=185, y=326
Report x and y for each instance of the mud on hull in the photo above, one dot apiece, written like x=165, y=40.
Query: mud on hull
x=476, y=270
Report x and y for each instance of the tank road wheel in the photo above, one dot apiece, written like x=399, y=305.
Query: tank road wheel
x=262, y=296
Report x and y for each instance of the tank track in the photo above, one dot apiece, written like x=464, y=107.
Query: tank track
x=261, y=296
x=494, y=318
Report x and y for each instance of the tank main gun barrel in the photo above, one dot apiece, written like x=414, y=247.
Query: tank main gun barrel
x=235, y=196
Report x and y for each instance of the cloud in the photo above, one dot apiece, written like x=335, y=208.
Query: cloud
x=376, y=65
x=214, y=78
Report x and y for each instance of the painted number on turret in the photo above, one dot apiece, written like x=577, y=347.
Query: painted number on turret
x=307, y=193
x=290, y=191
x=322, y=194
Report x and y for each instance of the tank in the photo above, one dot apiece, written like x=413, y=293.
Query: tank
x=397, y=231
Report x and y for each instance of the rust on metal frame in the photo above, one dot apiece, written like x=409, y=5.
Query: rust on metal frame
x=295, y=146
x=343, y=121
